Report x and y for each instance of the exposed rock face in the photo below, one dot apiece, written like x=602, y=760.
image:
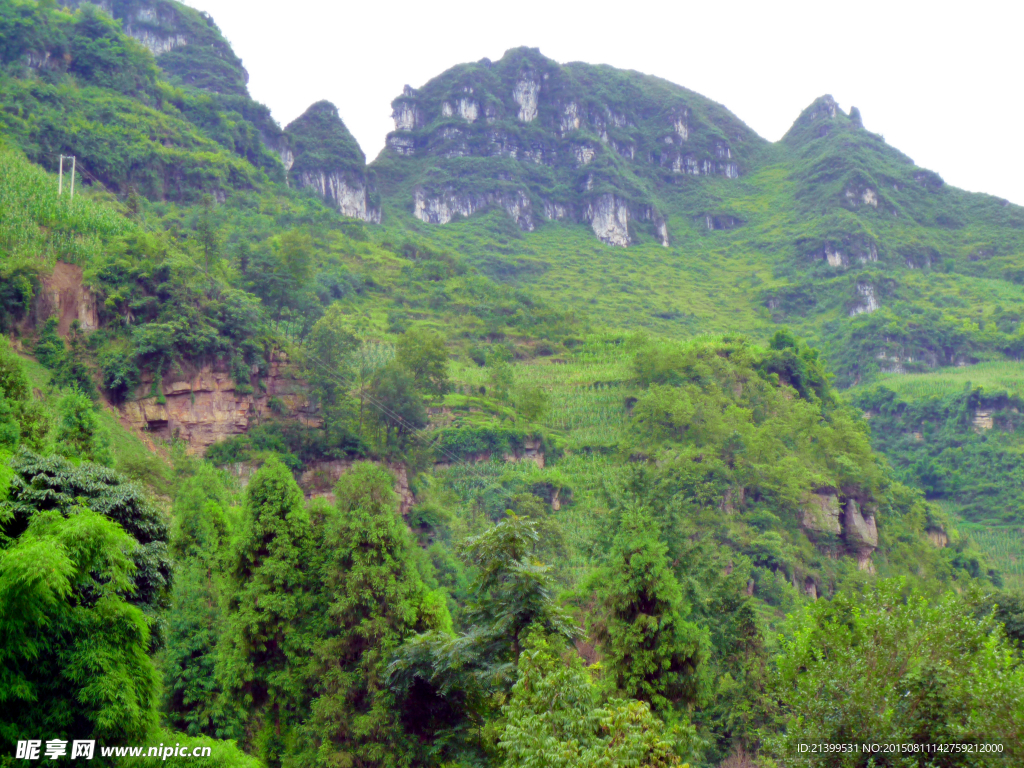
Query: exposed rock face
x=824, y=107
x=532, y=450
x=557, y=122
x=868, y=301
x=938, y=538
x=835, y=258
x=319, y=479
x=206, y=407
x=718, y=221
x=323, y=155
x=825, y=518
x=860, y=533
x=556, y=211
x=839, y=256
x=157, y=43
x=349, y=195
x=584, y=154
x=570, y=118
x=63, y=295
x=982, y=420
x=810, y=588
x=821, y=514
x=468, y=110
x=525, y=94
x=402, y=145
x=405, y=113
x=609, y=218
x=443, y=207
x=662, y=229
x=681, y=128
x=165, y=27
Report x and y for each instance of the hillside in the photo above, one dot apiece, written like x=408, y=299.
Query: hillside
x=581, y=406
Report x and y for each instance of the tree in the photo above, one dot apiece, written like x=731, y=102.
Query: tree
x=373, y=599
x=449, y=684
x=553, y=718
x=398, y=405
x=421, y=351
x=651, y=651
x=49, y=348
x=501, y=379
x=264, y=651
x=532, y=402
x=206, y=232
x=54, y=484
x=74, y=658
x=71, y=369
x=195, y=621
x=512, y=591
x=79, y=434
x=22, y=420
x=895, y=667
x=330, y=347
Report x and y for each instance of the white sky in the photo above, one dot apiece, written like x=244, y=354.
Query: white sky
x=940, y=80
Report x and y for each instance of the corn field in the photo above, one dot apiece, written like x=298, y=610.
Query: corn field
x=1001, y=375
x=1004, y=548
x=39, y=226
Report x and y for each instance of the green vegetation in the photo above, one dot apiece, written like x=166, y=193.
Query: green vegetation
x=492, y=492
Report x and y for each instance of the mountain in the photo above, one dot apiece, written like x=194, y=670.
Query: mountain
x=551, y=142
x=187, y=44
x=328, y=159
x=578, y=364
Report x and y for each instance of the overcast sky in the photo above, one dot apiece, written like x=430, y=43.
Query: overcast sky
x=941, y=81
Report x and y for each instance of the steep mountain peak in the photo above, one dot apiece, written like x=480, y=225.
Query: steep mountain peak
x=187, y=43
x=579, y=142
x=819, y=119
x=325, y=156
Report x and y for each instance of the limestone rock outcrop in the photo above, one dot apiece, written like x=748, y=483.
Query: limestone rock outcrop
x=206, y=406
x=322, y=155
x=868, y=302
x=609, y=218
x=860, y=533
x=442, y=207
x=827, y=520
x=593, y=153
x=821, y=514
x=347, y=192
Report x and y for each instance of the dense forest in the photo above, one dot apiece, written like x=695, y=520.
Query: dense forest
x=582, y=427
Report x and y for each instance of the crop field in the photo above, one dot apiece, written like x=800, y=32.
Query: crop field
x=586, y=412
x=37, y=225
x=1004, y=547
x=1005, y=375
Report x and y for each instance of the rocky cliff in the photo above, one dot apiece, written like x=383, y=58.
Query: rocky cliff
x=205, y=405
x=322, y=155
x=187, y=44
x=544, y=141
x=842, y=526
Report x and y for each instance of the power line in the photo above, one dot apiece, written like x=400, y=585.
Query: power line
x=417, y=433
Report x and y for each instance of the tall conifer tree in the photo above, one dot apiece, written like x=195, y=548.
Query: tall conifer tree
x=652, y=652
x=374, y=598
x=264, y=653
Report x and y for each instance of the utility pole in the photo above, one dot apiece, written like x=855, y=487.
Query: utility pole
x=60, y=176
